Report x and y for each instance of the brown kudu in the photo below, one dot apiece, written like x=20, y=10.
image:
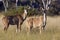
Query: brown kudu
x=34, y=22
x=14, y=20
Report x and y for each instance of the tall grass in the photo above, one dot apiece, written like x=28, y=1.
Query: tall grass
x=52, y=32
x=45, y=35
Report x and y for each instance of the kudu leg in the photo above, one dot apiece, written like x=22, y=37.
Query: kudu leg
x=6, y=27
x=40, y=28
x=28, y=30
x=18, y=28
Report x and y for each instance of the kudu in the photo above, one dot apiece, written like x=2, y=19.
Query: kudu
x=34, y=22
x=14, y=20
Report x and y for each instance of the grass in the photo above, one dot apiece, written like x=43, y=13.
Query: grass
x=52, y=32
x=46, y=35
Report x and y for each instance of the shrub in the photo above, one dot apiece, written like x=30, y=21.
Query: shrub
x=14, y=11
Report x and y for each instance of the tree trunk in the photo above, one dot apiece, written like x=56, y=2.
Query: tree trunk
x=5, y=3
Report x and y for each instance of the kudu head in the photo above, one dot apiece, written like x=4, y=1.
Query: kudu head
x=24, y=15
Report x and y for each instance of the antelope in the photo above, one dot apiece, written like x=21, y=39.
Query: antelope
x=14, y=20
x=34, y=22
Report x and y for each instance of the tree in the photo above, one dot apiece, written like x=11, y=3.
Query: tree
x=46, y=8
x=16, y=4
x=5, y=3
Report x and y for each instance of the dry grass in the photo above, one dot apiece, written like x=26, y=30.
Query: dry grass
x=52, y=32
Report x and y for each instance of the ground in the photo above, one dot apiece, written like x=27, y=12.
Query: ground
x=51, y=32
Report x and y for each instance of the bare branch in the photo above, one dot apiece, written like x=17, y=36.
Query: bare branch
x=43, y=3
x=48, y=3
x=7, y=3
x=16, y=3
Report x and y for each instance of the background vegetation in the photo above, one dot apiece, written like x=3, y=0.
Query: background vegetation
x=54, y=7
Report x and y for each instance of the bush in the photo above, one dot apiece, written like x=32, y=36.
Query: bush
x=14, y=11
x=20, y=10
x=33, y=11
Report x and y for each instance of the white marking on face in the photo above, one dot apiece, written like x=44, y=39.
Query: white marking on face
x=25, y=13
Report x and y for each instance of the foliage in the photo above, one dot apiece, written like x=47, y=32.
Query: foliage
x=20, y=10
x=14, y=11
x=33, y=11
